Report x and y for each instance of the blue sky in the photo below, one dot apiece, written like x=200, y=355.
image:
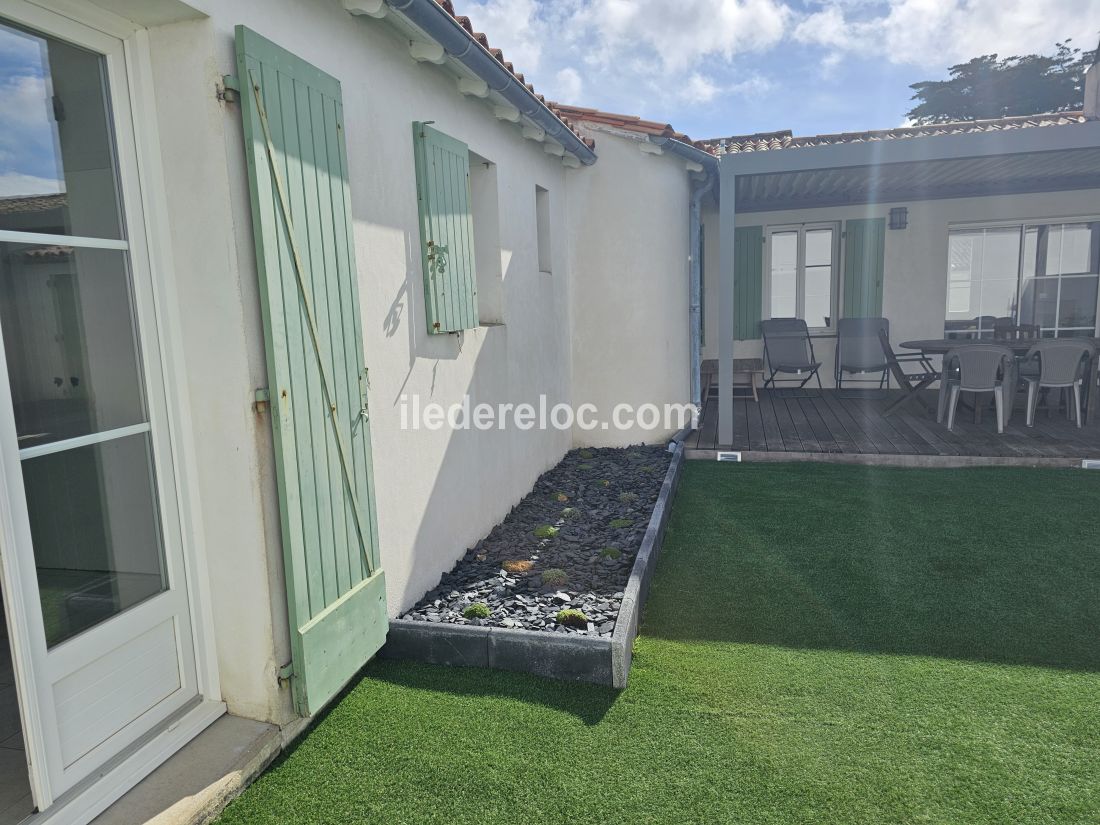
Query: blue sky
x=28, y=164
x=720, y=67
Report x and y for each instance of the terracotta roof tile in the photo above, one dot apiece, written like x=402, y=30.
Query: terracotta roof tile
x=483, y=41
x=630, y=123
x=770, y=141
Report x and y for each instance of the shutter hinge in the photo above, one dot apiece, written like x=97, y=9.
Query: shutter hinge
x=286, y=671
x=364, y=387
x=262, y=400
x=230, y=89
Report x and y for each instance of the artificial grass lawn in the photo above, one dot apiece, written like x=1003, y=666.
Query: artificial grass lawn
x=822, y=644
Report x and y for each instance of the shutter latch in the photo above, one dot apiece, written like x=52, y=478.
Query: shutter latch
x=262, y=400
x=230, y=89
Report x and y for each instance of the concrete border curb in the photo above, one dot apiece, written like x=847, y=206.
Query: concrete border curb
x=599, y=660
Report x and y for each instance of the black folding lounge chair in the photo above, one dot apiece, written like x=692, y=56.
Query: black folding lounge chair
x=911, y=383
x=859, y=353
x=789, y=350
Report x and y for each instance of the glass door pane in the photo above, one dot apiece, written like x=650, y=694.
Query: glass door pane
x=57, y=164
x=784, y=274
x=74, y=372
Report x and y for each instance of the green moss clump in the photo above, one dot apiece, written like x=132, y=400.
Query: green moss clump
x=569, y=512
x=611, y=552
x=554, y=577
x=628, y=497
x=584, y=466
x=545, y=531
x=478, y=610
x=619, y=523
x=562, y=497
x=586, y=454
x=572, y=618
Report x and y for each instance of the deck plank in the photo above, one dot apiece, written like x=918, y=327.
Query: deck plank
x=827, y=422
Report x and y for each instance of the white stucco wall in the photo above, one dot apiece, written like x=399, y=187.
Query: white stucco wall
x=628, y=252
x=915, y=280
x=437, y=492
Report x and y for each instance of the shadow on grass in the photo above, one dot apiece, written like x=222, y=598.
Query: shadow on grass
x=588, y=703
x=991, y=564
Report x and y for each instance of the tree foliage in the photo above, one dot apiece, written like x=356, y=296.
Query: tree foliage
x=990, y=87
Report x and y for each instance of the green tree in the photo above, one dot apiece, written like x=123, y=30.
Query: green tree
x=989, y=87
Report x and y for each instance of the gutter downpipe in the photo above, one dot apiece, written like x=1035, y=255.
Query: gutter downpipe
x=435, y=22
x=710, y=168
x=696, y=289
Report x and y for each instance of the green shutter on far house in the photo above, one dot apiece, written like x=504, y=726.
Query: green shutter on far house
x=748, y=281
x=446, y=230
x=301, y=220
x=864, y=261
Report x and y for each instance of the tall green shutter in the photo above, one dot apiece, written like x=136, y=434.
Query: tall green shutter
x=864, y=260
x=446, y=230
x=301, y=220
x=748, y=281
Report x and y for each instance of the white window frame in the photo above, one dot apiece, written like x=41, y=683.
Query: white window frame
x=800, y=270
x=1023, y=224
x=147, y=240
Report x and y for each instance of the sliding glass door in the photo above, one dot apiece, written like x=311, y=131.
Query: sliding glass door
x=92, y=520
x=1036, y=274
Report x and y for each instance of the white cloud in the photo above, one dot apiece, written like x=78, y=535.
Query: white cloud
x=15, y=184
x=935, y=33
x=699, y=89
x=568, y=85
x=683, y=35
x=634, y=55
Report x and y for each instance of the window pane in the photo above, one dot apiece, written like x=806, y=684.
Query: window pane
x=784, y=286
x=57, y=168
x=1080, y=248
x=97, y=546
x=70, y=341
x=1039, y=302
x=1001, y=253
x=819, y=247
x=983, y=267
x=998, y=299
x=1077, y=302
x=818, y=295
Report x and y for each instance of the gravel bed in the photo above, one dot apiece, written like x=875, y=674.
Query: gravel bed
x=569, y=544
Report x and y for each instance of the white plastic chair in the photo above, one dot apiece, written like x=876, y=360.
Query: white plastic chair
x=1060, y=367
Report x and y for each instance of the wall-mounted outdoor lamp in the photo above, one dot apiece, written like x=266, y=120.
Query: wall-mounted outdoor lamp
x=899, y=217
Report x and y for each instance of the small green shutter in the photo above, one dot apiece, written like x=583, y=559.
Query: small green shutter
x=446, y=230
x=748, y=281
x=864, y=260
x=301, y=220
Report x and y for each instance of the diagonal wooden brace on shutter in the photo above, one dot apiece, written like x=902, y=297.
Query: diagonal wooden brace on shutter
x=326, y=385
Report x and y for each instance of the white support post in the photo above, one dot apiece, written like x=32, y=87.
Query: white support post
x=473, y=87
x=507, y=112
x=727, y=223
x=371, y=8
x=423, y=52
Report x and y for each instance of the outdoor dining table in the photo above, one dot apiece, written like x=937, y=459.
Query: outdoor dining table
x=1019, y=347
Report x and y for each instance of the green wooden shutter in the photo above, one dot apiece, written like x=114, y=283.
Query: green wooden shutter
x=864, y=260
x=748, y=281
x=446, y=230
x=301, y=220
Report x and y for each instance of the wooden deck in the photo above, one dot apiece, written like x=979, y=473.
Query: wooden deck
x=833, y=426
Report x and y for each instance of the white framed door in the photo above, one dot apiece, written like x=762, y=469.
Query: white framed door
x=90, y=528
